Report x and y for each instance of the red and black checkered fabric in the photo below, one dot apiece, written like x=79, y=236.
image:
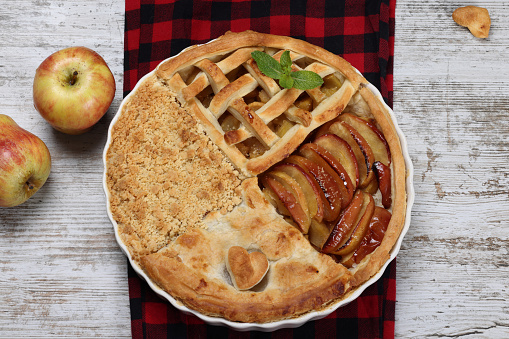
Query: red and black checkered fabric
x=361, y=31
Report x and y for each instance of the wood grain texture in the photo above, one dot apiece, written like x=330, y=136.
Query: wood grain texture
x=450, y=97
x=61, y=272
x=63, y=275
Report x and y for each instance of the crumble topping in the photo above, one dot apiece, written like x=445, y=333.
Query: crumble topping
x=164, y=173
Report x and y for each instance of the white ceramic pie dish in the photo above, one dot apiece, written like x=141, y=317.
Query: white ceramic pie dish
x=288, y=323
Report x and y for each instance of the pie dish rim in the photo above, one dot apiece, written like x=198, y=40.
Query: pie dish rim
x=286, y=323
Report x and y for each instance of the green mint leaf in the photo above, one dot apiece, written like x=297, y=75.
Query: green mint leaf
x=268, y=65
x=306, y=80
x=286, y=62
x=286, y=81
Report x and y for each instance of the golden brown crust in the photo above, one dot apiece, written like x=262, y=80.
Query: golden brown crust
x=299, y=279
x=182, y=194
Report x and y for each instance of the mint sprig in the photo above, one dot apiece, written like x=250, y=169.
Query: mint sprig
x=282, y=71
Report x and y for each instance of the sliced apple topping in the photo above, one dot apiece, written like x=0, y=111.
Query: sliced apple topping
x=372, y=135
x=346, y=222
x=360, y=228
x=340, y=149
x=373, y=238
x=335, y=192
x=326, y=188
x=334, y=163
x=305, y=164
x=289, y=200
x=309, y=187
x=360, y=147
x=292, y=186
x=274, y=200
x=319, y=233
x=383, y=175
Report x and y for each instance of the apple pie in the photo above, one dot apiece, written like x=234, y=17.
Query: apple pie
x=249, y=201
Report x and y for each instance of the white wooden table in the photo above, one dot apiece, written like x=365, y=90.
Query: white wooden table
x=62, y=274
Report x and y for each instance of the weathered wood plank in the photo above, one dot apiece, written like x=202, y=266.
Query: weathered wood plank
x=62, y=274
x=450, y=95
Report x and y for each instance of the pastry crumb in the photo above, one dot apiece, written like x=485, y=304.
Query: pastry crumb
x=164, y=174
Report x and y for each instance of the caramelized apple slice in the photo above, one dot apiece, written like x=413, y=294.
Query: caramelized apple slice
x=373, y=238
x=372, y=135
x=274, y=200
x=383, y=175
x=340, y=149
x=308, y=185
x=360, y=230
x=334, y=163
x=335, y=192
x=295, y=189
x=305, y=164
x=345, y=225
x=318, y=233
x=372, y=187
x=289, y=200
x=360, y=148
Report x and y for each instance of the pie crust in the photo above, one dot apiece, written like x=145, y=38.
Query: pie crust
x=182, y=191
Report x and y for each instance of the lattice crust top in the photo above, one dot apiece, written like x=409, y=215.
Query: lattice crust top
x=247, y=114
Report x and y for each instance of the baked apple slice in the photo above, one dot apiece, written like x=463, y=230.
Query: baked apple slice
x=360, y=230
x=319, y=233
x=292, y=186
x=345, y=225
x=335, y=190
x=274, y=200
x=333, y=162
x=305, y=164
x=289, y=200
x=373, y=238
x=308, y=185
x=359, y=145
x=372, y=135
x=340, y=149
x=383, y=176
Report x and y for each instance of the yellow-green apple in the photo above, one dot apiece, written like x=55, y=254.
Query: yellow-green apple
x=73, y=88
x=25, y=163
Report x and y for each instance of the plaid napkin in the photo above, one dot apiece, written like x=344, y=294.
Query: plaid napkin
x=361, y=31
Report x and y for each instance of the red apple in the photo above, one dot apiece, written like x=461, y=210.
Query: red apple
x=73, y=88
x=25, y=163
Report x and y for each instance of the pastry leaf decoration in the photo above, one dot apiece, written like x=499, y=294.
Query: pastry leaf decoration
x=282, y=71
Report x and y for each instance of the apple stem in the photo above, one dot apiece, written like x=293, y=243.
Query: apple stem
x=30, y=186
x=73, y=78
